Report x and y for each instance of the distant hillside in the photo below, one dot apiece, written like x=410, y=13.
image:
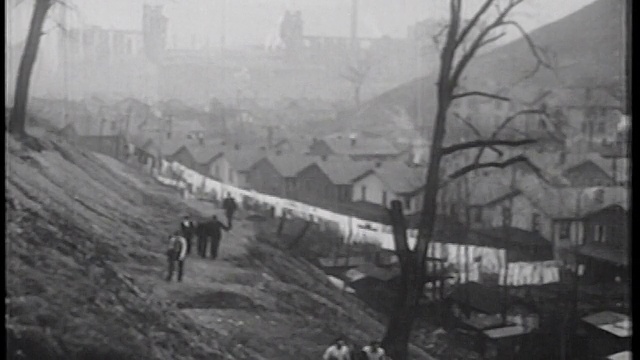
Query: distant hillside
x=588, y=45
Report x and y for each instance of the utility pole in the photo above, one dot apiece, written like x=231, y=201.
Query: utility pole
x=354, y=29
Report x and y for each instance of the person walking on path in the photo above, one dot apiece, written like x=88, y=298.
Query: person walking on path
x=337, y=351
x=373, y=351
x=188, y=232
x=230, y=206
x=176, y=254
x=210, y=232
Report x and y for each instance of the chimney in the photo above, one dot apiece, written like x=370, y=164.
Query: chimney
x=168, y=134
x=270, y=137
x=352, y=137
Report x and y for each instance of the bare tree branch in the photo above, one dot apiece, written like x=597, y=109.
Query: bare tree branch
x=477, y=132
x=485, y=143
x=499, y=164
x=467, y=29
x=436, y=37
x=477, y=42
x=480, y=93
x=495, y=38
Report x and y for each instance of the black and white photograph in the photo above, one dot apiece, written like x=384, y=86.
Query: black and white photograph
x=318, y=179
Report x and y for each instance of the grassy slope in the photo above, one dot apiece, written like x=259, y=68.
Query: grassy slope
x=84, y=246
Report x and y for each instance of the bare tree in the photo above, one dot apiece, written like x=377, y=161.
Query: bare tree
x=463, y=39
x=28, y=59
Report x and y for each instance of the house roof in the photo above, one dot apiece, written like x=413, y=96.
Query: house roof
x=624, y=355
x=169, y=147
x=523, y=245
x=577, y=97
x=612, y=322
x=288, y=165
x=605, y=253
x=488, y=300
x=363, y=146
x=399, y=177
x=342, y=261
x=203, y=154
x=342, y=170
x=140, y=141
x=516, y=236
x=571, y=203
x=369, y=270
x=243, y=159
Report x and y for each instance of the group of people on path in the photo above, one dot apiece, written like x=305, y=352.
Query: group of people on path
x=339, y=350
x=207, y=233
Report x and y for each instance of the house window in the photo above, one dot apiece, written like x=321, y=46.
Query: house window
x=384, y=198
x=453, y=210
x=363, y=193
x=506, y=216
x=599, y=233
x=407, y=203
x=476, y=214
x=599, y=196
x=535, y=222
x=565, y=230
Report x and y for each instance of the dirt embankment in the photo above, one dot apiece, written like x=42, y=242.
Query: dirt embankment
x=85, y=265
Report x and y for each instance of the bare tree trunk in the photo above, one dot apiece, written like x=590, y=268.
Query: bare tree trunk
x=356, y=96
x=401, y=319
x=19, y=111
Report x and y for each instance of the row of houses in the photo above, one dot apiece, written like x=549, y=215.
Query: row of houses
x=357, y=175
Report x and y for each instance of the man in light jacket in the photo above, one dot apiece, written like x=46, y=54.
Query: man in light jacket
x=176, y=253
x=337, y=351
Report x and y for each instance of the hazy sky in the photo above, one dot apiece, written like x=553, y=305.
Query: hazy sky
x=250, y=22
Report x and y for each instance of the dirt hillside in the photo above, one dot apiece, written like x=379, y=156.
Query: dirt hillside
x=85, y=265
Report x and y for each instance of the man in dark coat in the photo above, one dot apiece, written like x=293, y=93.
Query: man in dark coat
x=230, y=206
x=210, y=232
x=188, y=231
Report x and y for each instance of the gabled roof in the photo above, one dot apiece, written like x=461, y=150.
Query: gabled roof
x=369, y=270
x=243, y=159
x=571, y=203
x=140, y=141
x=169, y=147
x=399, y=177
x=204, y=154
x=605, y=253
x=363, y=146
x=580, y=97
x=288, y=165
x=343, y=171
